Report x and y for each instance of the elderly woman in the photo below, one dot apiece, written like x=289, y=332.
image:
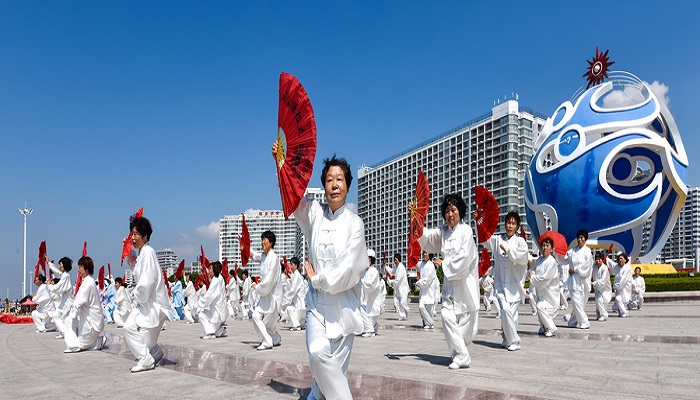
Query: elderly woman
x=213, y=311
x=545, y=278
x=338, y=260
x=122, y=302
x=622, y=284
x=85, y=321
x=460, y=291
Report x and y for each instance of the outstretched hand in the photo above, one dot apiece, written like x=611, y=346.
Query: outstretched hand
x=275, y=147
x=310, y=272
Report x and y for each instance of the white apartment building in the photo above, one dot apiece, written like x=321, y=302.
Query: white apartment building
x=167, y=259
x=683, y=245
x=492, y=150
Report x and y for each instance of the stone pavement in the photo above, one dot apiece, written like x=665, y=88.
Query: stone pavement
x=653, y=354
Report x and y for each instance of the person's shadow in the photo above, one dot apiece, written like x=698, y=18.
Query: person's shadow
x=431, y=358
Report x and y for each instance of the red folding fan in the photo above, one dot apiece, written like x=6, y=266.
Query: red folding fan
x=205, y=265
x=128, y=245
x=484, y=262
x=296, y=140
x=418, y=209
x=560, y=243
x=244, y=242
x=486, y=214
x=180, y=269
x=101, y=278
x=224, y=270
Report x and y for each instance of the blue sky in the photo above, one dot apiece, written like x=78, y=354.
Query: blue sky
x=106, y=107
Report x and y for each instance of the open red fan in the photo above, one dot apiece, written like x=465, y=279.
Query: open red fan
x=244, y=242
x=101, y=278
x=296, y=142
x=79, y=279
x=180, y=270
x=36, y=271
x=486, y=214
x=560, y=243
x=128, y=244
x=484, y=262
x=287, y=267
x=42, y=255
x=205, y=265
x=418, y=209
x=109, y=272
x=84, y=249
x=166, y=282
x=224, y=270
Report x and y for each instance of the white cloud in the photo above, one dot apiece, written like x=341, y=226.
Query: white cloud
x=210, y=231
x=661, y=91
x=631, y=95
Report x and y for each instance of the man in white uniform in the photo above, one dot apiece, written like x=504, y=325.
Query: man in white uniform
x=510, y=255
x=603, y=288
x=213, y=310
x=460, y=291
x=400, y=285
x=426, y=302
x=123, y=304
x=269, y=289
x=373, y=296
x=63, y=291
x=545, y=280
x=296, y=291
x=44, y=306
x=639, y=287
x=149, y=297
x=85, y=321
x=579, y=283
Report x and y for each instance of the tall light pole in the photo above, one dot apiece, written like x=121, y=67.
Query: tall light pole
x=24, y=211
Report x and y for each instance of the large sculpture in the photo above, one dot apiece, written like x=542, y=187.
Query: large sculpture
x=608, y=161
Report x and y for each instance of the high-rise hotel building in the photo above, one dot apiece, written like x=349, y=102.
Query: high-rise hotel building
x=290, y=241
x=492, y=150
x=683, y=244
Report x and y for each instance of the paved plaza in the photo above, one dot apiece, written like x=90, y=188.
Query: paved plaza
x=653, y=354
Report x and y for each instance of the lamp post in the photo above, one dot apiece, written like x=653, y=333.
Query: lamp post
x=24, y=211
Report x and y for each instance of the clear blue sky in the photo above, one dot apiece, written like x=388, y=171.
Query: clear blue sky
x=106, y=107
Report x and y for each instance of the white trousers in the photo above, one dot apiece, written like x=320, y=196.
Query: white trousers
x=563, y=294
x=369, y=323
x=190, y=314
x=59, y=318
x=42, y=320
x=401, y=304
x=329, y=361
x=546, y=313
x=265, y=325
x=620, y=305
x=211, y=325
x=509, y=321
x=295, y=315
x=81, y=339
x=120, y=317
x=142, y=342
x=601, y=305
x=459, y=331
x=426, y=313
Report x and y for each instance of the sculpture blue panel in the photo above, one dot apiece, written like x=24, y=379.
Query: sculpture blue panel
x=608, y=161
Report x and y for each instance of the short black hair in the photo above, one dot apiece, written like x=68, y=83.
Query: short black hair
x=143, y=227
x=582, y=232
x=516, y=217
x=454, y=199
x=295, y=261
x=67, y=263
x=119, y=281
x=599, y=255
x=244, y=273
x=336, y=162
x=41, y=278
x=547, y=240
x=216, y=267
x=269, y=235
x=86, y=262
x=397, y=256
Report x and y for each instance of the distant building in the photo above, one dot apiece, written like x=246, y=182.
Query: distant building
x=492, y=150
x=167, y=259
x=683, y=245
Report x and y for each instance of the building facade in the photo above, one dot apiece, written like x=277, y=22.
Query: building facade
x=492, y=150
x=683, y=245
x=167, y=259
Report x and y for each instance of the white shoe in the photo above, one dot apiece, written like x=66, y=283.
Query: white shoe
x=601, y=319
x=454, y=365
x=101, y=340
x=59, y=336
x=368, y=334
x=514, y=347
x=40, y=331
x=584, y=326
x=295, y=328
x=73, y=350
x=263, y=347
x=141, y=368
x=209, y=336
x=549, y=333
x=566, y=317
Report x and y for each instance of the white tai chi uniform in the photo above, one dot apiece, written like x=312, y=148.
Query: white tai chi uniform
x=460, y=291
x=63, y=290
x=546, y=283
x=151, y=307
x=234, y=295
x=266, y=313
x=579, y=284
x=639, y=287
x=622, y=286
x=338, y=255
x=44, y=308
x=436, y=295
x=296, y=291
x=509, y=274
x=563, y=282
x=372, y=302
x=426, y=302
x=489, y=297
x=603, y=291
x=400, y=285
x=212, y=307
x=87, y=319
x=123, y=304
x=246, y=297
x=190, y=308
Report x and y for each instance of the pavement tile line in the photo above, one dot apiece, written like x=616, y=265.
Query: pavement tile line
x=295, y=379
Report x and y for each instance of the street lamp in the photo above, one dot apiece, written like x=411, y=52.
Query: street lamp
x=24, y=211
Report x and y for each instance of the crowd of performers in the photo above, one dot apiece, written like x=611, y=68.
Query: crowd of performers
x=339, y=293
